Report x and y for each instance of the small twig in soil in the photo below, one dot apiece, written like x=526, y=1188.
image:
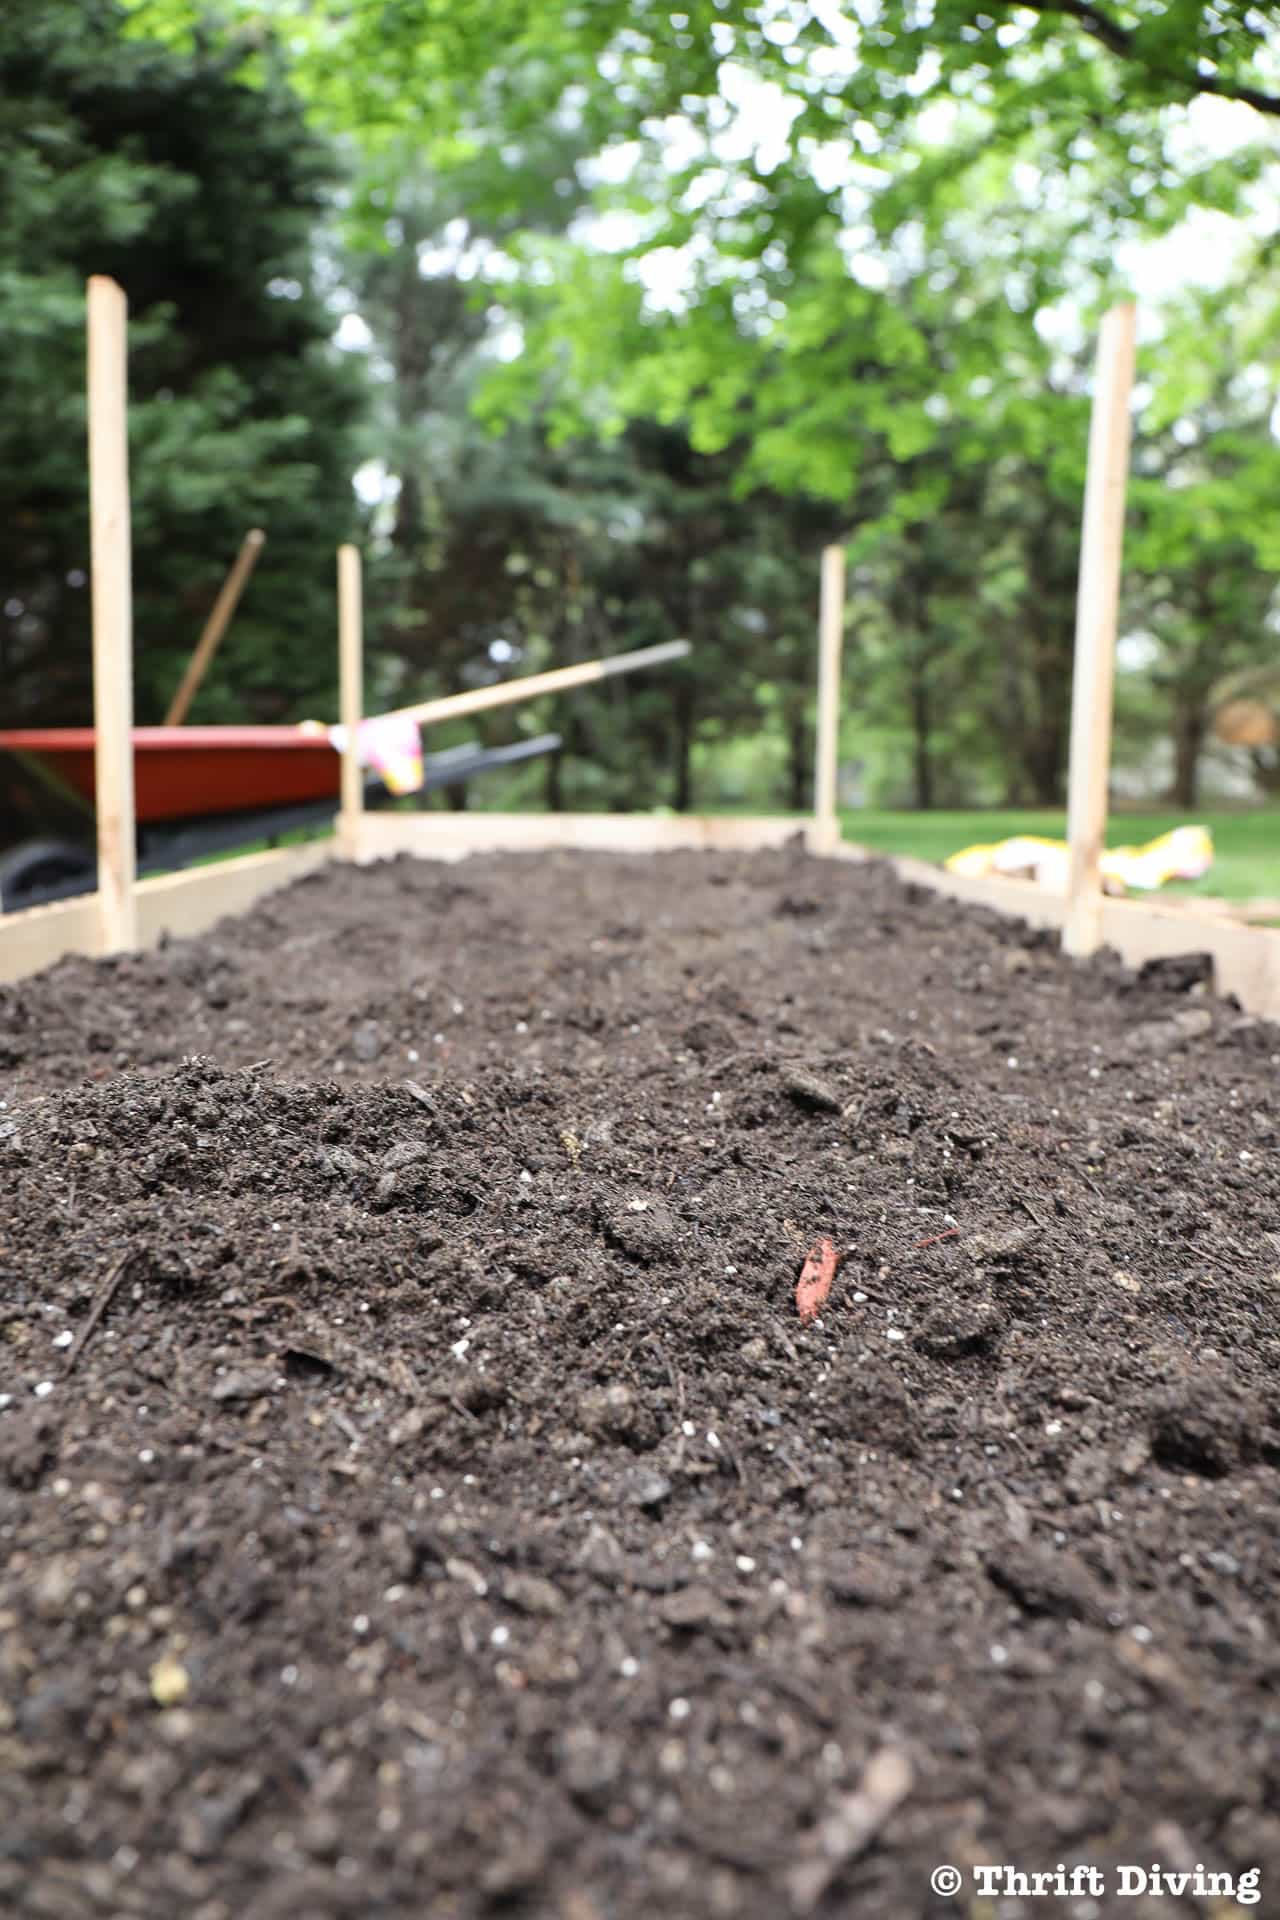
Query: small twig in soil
x=799, y=1480
x=258, y=1066
x=816, y=1276
x=784, y=1345
x=850, y=1825
x=420, y=1094
x=676, y=1379
x=677, y=1387
x=346, y=1427
x=102, y=1300
x=261, y=1306
x=731, y=1456
x=934, y=1238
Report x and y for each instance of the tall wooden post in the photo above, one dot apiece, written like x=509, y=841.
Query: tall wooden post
x=826, y=827
x=1097, y=615
x=350, y=697
x=112, y=600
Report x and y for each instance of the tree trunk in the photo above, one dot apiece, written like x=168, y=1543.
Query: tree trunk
x=799, y=771
x=1048, y=609
x=1013, y=715
x=1043, y=761
x=1266, y=769
x=1188, y=744
x=553, y=785
x=1043, y=745
x=921, y=723
x=683, y=796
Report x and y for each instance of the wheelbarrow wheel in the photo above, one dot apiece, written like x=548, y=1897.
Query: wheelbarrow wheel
x=36, y=871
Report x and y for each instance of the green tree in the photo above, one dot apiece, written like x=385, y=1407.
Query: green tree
x=202, y=196
x=1204, y=558
x=853, y=266
x=549, y=543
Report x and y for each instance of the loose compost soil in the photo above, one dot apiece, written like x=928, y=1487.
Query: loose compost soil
x=420, y=1494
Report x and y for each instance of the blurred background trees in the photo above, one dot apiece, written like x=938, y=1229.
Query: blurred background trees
x=202, y=196
x=599, y=323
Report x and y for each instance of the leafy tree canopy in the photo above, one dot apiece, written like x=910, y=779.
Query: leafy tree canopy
x=854, y=255
x=774, y=176
x=376, y=58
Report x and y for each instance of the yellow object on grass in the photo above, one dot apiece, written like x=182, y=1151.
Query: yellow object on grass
x=1184, y=854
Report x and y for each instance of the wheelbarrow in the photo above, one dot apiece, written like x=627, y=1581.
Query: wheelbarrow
x=197, y=791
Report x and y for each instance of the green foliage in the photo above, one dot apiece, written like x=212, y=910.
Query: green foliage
x=851, y=269
x=201, y=196
x=570, y=534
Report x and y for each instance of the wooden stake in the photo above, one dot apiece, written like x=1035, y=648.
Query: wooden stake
x=453, y=706
x=1097, y=614
x=350, y=689
x=112, y=598
x=826, y=829
x=215, y=626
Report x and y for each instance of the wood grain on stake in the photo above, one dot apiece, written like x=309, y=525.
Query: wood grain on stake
x=350, y=697
x=112, y=614
x=1097, y=608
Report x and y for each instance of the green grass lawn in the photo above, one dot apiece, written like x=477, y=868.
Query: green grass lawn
x=1246, y=844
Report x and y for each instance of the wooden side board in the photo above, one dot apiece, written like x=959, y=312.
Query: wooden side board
x=174, y=903
x=38, y=936
x=182, y=904
x=441, y=836
x=1246, y=959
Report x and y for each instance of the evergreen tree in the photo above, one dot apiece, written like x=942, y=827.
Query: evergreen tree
x=202, y=196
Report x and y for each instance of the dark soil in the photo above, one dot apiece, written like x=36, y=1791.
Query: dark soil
x=446, y=1512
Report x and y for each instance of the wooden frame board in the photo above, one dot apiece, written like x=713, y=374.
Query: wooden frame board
x=179, y=904
x=1246, y=959
x=452, y=836
x=125, y=913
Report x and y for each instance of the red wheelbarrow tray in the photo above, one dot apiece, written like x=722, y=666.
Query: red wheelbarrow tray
x=186, y=773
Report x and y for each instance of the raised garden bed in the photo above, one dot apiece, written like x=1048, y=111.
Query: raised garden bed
x=426, y=1499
